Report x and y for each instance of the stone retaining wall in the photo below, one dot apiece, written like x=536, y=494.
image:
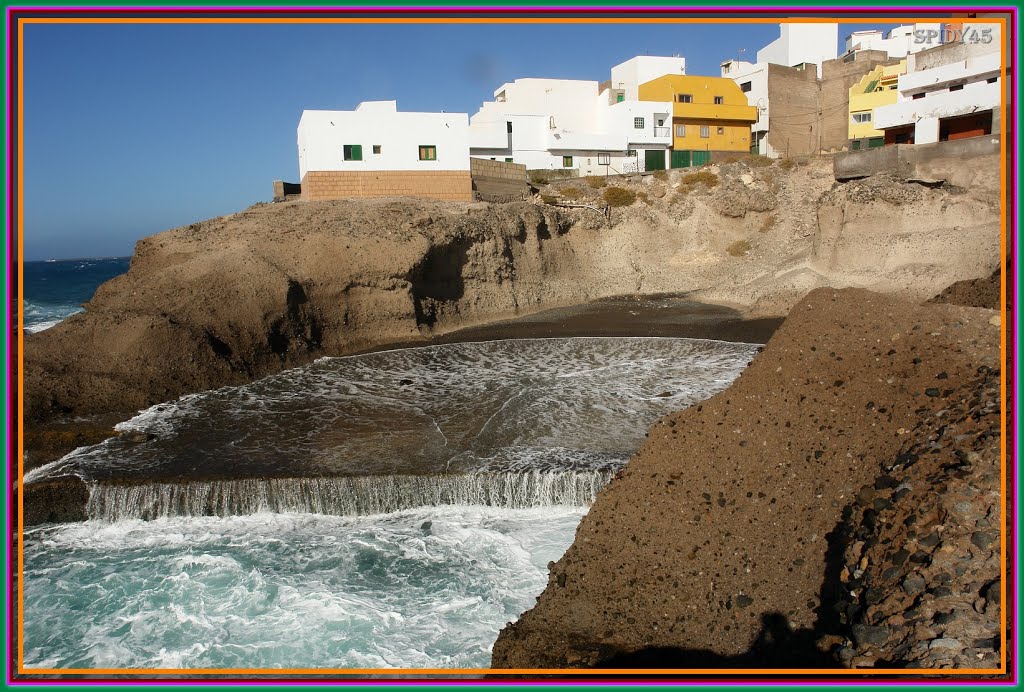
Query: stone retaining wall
x=441, y=185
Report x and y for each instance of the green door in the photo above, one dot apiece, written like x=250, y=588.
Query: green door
x=654, y=160
x=680, y=159
x=876, y=142
x=700, y=158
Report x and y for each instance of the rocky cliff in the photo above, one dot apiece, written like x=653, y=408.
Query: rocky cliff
x=839, y=504
x=241, y=296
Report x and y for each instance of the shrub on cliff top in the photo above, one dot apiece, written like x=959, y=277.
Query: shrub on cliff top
x=758, y=161
x=549, y=199
x=571, y=192
x=661, y=175
x=619, y=196
x=596, y=181
x=539, y=179
x=739, y=248
x=702, y=177
x=787, y=163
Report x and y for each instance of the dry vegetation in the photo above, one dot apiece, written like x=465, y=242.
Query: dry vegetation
x=619, y=196
x=769, y=223
x=596, y=181
x=739, y=248
x=702, y=177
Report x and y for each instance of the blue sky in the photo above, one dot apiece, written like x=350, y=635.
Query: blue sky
x=134, y=129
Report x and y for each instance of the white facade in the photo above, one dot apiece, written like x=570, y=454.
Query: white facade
x=926, y=96
x=628, y=76
x=956, y=79
x=753, y=82
x=540, y=122
x=898, y=43
x=802, y=43
x=390, y=140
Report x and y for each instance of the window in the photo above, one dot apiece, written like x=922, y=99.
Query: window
x=428, y=152
x=919, y=96
x=956, y=87
x=680, y=130
x=721, y=130
x=862, y=117
x=705, y=131
x=619, y=98
x=566, y=162
x=508, y=126
x=685, y=98
x=719, y=100
x=376, y=148
x=631, y=152
x=352, y=152
x=991, y=80
x=508, y=159
x=638, y=123
x=745, y=87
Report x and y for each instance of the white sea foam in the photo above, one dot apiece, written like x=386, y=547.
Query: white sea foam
x=425, y=588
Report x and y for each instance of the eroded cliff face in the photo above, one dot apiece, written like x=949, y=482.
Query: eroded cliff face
x=768, y=525
x=238, y=297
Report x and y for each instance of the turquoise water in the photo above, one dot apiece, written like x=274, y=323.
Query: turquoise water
x=388, y=510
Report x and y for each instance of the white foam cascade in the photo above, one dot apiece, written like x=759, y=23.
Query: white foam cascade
x=343, y=496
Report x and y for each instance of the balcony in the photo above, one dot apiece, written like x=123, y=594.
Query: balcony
x=708, y=111
x=662, y=131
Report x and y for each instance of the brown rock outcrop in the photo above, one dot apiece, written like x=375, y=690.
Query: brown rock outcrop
x=719, y=545
x=238, y=297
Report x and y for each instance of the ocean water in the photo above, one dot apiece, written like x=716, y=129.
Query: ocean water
x=56, y=289
x=388, y=510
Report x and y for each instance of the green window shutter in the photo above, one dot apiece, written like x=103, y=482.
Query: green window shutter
x=357, y=152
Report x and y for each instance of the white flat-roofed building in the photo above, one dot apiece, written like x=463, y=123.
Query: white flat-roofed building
x=574, y=124
x=897, y=43
x=802, y=42
x=377, y=150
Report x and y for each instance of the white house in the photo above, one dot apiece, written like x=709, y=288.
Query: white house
x=949, y=92
x=578, y=124
x=376, y=136
x=627, y=77
x=898, y=43
x=802, y=42
x=375, y=150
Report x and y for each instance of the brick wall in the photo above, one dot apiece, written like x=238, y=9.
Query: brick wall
x=793, y=116
x=497, y=179
x=837, y=76
x=443, y=185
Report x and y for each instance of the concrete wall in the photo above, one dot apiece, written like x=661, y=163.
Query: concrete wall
x=323, y=134
x=494, y=180
x=938, y=161
x=794, y=121
x=442, y=185
x=837, y=78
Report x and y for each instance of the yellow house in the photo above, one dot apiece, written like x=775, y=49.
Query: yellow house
x=708, y=114
x=876, y=88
